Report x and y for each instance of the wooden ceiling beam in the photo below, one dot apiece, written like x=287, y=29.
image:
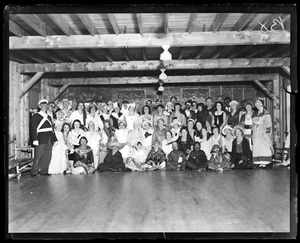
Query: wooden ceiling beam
x=264, y=89
x=140, y=23
x=144, y=55
x=86, y=21
x=108, y=55
x=198, y=52
x=61, y=23
x=126, y=54
x=192, y=19
x=32, y=56
x=16, y=29
x=222, y=38
x=30, y=83
x=114, y=24
x=67, y=54
x=180, y=55
x=242, y=22
x=170, y=79
x=217, y=22
x=166, y=23
x=33, y=22
x=155, y=65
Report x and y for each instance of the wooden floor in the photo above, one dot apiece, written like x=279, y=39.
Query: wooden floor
x=158, y=201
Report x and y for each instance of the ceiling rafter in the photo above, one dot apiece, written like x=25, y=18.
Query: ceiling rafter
x=89, y=25
x=16, y=29
x=166, y=23
x=217, y=22
x=192, y=19
x=113, y=22
x=140, y=23
x=36, y=24
x=61, y=23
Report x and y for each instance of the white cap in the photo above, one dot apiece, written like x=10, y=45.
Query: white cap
x=43, y=101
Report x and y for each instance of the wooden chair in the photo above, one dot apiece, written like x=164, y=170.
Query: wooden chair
x=21, y=162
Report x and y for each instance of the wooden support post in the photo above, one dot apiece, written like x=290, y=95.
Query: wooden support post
x=264, y=89
x=61, y=90
x=276, y=112
x=30, y=83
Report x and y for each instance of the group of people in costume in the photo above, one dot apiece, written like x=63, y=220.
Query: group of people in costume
x=80, y=138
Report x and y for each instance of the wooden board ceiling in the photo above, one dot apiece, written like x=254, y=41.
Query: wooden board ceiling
x=63, y=35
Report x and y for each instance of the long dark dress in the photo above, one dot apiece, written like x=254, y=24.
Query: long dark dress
x=240, y=152
x=112, y=162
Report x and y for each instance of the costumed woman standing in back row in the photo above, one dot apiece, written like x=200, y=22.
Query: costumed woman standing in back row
x=262, y=135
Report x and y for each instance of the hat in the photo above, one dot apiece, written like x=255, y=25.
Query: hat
x=115, y=143
x=192, y=120
x=43, y=101
x=115, y=105
x=65, y=100
x=238, y=127
x=226, y=127
x=155, y=141
x=144, y=123
x=175, y=121
x=233, y=102
x=216, y=146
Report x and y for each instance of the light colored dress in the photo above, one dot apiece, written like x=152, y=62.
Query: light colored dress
x=130, y=119
x=121, y=136
x=58, y=163
x=262, y=138
x=227, y=144
x=97, y=121
x=93, y=141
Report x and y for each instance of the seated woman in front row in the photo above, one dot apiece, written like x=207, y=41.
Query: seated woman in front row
x=113, y=160
x=197, y=159
x=218, y=161
x=156, y=158
x=137, y=160
x=83, y=158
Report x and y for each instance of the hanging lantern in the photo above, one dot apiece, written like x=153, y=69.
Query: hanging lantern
x=166, y=55
x=160, y=88
x=163, y=76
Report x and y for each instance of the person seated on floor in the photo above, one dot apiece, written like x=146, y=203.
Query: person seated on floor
x=241, y=155
x=218, y=160
x=83, y=158
x=197, y=159
x=176, y=159
x=137, y=160
x=156, y=158
x=113, y=160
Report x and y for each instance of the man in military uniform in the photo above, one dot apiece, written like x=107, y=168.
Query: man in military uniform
x=43, y=138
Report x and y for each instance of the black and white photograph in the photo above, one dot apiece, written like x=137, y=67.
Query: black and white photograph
x=150, y=121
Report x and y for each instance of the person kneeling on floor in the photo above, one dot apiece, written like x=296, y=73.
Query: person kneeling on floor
x=218, y=160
